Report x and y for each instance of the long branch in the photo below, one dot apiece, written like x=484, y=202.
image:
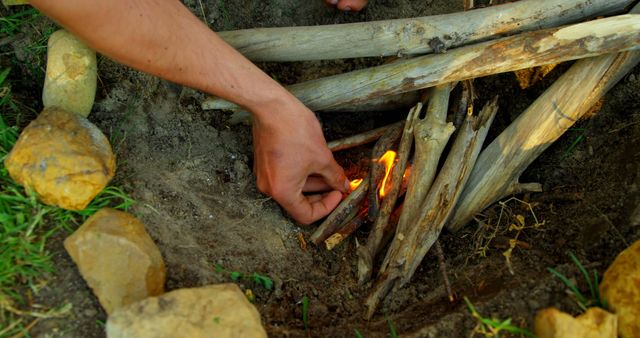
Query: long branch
x=525, y=50
x=412, y=36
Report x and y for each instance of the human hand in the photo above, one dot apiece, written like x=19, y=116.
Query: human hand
x=347, y=5
x=291, y=159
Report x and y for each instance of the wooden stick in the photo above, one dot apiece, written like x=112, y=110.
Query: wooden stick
x=446, y=190
x=341, y=213
x=465, y=104
x=384, y=103
x=388, y=141
x=412, y=36
x=443, y=270
x=437, y=207
x=346, y=230
x=367, y=252
x=363, y=138
x=500, y=165
x=507, y=54
x=431, y=135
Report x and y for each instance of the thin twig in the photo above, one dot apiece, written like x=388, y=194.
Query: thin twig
x=360, y=139
x=443, y=270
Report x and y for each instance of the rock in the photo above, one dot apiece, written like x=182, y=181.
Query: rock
x=212, y=311
x=71, y=78
x=620, y=287
x=595, y=323
x=117, y=258
x=64, y=158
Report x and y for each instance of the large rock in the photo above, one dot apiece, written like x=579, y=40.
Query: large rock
x=595, y=323
x=621, y=288
x=70, y=82
x=218, y=311
x=117, y=258
x=64, y=158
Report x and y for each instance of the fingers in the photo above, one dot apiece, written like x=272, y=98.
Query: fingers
x=308, y=209
x=347, y=5
x=334, y=176
x=315, y=184
x=351, y=5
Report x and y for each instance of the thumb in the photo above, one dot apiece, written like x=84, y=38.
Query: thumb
x=334, y=175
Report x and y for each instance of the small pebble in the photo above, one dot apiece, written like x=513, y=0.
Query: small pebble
x=533, y=304
x=632, y=78
x=90, y=312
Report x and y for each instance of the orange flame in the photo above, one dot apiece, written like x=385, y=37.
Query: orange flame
x=387, y=159
x=355, y=183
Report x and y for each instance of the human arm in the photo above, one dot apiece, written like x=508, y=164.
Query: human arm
x=163, y=38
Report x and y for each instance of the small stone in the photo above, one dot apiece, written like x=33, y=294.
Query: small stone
x=71, y=78
x=533, y=304
x=89, y=312
x=620, y=287
x=117, y=259
x=632, y=78
x=212, y=311
x=594, y=323
x=64, y=158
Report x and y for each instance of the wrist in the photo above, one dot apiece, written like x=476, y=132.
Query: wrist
x=279, y=105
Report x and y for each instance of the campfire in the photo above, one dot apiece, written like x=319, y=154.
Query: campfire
x=430, y=171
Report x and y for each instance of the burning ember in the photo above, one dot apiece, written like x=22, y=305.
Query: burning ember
x=387, y=159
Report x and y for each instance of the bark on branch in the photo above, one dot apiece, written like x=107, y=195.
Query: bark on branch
x=412, y=36
x=409, y=248
x=525, y=50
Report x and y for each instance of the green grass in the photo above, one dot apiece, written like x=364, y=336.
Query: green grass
x=255, y=277
x=392, y=327
x=305, y=312
x=11, y=24
x=581, y=136
x=25, y=226
x=491, y=327
x=226, y=18
x=584, y=301
x=30, y=53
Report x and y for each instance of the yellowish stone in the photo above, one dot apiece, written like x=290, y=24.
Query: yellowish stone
x=220, y=311
x=117, y=258
x=621, y=288
x=72, y=73
x=64, y=158
x=594, y=323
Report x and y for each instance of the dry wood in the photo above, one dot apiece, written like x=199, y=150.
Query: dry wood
x=385, y=103
x=465, y=104
x=431, y=135
x=388, y=141
x=500, y=165
x=368, y=252
x=408, y=249
x=346, y=230
x=525, y=50
x=412, y=36
x=363, y=138
x=443, y=270
x=342, y=212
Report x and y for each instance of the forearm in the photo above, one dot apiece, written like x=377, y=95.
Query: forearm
x=163, y=38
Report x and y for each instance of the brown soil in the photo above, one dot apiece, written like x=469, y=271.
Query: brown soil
x=190, y=170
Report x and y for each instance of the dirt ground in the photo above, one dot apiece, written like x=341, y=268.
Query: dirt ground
x=190, y=171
